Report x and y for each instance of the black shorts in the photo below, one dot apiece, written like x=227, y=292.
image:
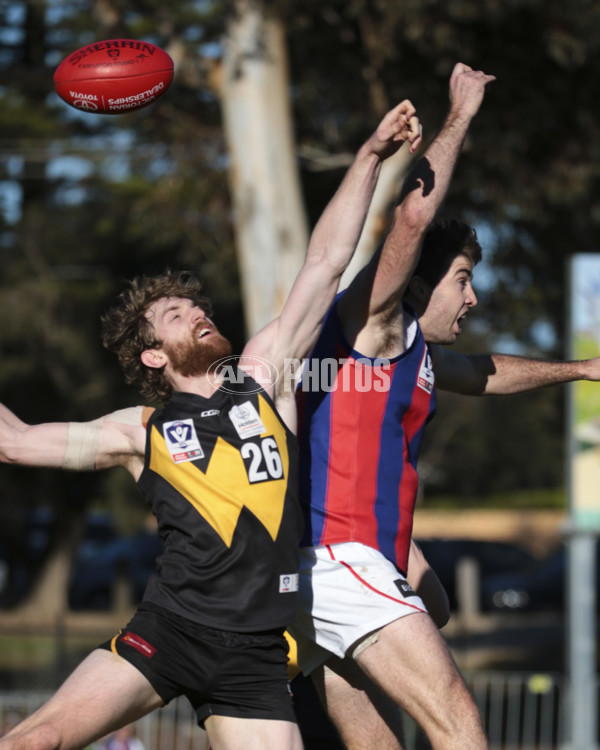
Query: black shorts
x=219, y=671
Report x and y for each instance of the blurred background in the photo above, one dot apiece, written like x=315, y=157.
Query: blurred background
x=226, y=174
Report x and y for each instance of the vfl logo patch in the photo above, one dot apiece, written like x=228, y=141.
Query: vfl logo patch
x=404, y=588
x=288, y=583
x=138, y=643
x=425, y=378
x=182, y=440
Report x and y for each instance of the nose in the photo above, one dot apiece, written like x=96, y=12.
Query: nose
x=471, y=297
x=198, y=314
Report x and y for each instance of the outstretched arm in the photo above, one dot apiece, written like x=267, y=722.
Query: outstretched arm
x=10, y=418
x=381, y=284
x=503, y=374
x=114, y=440
x=333, y=242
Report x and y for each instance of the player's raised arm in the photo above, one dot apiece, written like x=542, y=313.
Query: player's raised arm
x=383, y=281
x=114, y=440
x=334, y=240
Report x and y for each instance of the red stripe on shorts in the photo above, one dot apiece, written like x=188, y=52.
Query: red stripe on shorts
x=368, y=585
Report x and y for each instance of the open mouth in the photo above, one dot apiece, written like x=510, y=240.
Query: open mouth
x=206, y=331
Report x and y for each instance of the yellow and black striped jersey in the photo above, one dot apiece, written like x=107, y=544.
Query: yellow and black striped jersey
x=220, y=476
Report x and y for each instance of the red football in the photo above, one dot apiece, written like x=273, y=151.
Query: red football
x=114, y=76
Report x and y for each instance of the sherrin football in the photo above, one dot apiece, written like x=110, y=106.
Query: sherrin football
x=114, y=76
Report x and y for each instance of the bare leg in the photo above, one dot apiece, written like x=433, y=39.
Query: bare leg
x=413, y=665
x=232, y=733
x=364, y=716
x=103, y=693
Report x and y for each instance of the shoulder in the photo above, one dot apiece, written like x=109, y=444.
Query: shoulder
x=133, y=416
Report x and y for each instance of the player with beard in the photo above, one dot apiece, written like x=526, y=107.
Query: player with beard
x=217, y=463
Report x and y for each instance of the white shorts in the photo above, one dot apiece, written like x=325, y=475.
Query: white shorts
x=346, y=592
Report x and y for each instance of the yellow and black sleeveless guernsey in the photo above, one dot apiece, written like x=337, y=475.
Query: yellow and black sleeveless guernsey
x=221, y=478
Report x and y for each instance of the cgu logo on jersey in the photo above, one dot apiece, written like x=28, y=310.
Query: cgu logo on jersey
x=426, y=378
x=182, y=440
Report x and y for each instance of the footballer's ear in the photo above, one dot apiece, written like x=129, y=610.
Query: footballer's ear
x=154, y=358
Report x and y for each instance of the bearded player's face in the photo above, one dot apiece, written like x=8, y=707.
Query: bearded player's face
x=187, y=335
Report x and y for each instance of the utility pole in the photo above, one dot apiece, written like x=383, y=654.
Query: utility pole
x=583, y=485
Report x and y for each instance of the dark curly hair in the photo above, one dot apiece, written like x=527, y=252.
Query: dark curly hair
x=127, y=332
x=443, y=242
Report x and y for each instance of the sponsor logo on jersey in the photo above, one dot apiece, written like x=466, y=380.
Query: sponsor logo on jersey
x=404, y=588
x=246, y=420
x=425, y=378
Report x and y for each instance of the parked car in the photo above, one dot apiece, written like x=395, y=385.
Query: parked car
x=539, y=587
x=23, y=552
x=492, y=557
x=102, y=556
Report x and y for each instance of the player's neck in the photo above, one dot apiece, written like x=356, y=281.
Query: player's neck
x=201, y=385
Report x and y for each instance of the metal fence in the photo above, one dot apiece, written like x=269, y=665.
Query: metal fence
x=520, y=710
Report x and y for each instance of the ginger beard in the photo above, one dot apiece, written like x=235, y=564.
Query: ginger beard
x=196, y=356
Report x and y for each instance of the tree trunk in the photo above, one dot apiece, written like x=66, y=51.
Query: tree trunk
x=270, y=221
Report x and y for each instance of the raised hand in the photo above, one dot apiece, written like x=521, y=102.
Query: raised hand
x=467, y=88
x=399, y=125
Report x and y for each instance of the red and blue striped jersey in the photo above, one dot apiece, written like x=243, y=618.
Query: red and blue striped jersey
x=361, y=422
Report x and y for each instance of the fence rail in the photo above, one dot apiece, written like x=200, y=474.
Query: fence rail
x=520, y=711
